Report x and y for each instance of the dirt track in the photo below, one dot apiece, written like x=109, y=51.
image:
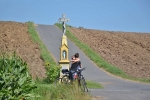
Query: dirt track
x=128, y=51
x=15, y=37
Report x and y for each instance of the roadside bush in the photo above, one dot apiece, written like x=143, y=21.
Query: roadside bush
x=53, y=72
x=15, y=81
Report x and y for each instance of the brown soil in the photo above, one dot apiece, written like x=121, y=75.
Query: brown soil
x=15, y=37
x=128, y=51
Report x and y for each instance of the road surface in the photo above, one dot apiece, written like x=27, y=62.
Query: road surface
x=114, y=88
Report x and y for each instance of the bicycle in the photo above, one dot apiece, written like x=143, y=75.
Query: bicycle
x=62, y=79
x=80, y=78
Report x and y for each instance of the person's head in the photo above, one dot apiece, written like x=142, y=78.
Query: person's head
x=73, y=57
x=76, y=55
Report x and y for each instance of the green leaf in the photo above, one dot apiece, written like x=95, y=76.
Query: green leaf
x=15, y=81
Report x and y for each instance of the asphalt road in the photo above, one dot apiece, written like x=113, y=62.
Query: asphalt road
x=114, y=88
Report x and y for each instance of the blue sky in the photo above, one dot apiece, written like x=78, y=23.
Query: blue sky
x=113, y=15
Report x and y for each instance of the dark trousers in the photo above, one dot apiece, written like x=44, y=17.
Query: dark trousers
x=71, y=74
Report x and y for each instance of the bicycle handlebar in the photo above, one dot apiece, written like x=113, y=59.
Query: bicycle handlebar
x=80, y=70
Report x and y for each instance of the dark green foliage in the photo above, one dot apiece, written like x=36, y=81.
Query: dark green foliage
x=15, y=81
x=53, y=72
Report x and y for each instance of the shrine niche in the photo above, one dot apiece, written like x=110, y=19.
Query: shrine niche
x=64, y=54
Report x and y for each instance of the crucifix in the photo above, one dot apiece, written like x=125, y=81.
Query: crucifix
x=63, y=20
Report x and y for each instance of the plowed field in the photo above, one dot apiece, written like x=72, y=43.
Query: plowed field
x=127, y=51
x=15, y=37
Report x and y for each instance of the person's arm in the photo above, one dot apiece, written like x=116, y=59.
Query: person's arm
x=80, y=66
x=75, y=60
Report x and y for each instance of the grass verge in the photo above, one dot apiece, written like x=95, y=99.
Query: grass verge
x=97, y=59
x=60, y=92
x=45, y=54
x=94, y=85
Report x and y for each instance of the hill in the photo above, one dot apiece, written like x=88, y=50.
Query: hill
x=127, y=51
x=14, y=36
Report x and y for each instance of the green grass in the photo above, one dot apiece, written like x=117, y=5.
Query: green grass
x=97, y=59
x=60, y=92
x=94, y=85
x=45, y=54
x=43, y=90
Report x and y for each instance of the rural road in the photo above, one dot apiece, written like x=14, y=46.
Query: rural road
x=114, y=88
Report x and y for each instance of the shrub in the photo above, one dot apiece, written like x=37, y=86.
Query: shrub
x=53, y=72
x=15, y=81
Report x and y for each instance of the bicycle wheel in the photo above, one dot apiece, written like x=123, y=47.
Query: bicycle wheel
x=57, y=81
x=83, y=84
x=65, y=79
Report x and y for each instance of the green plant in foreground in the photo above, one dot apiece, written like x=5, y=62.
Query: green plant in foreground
x=15, y=81
x=60, y=92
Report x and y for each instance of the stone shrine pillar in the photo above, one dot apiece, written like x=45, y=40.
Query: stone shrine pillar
x=64, y=62
x=64, y=49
